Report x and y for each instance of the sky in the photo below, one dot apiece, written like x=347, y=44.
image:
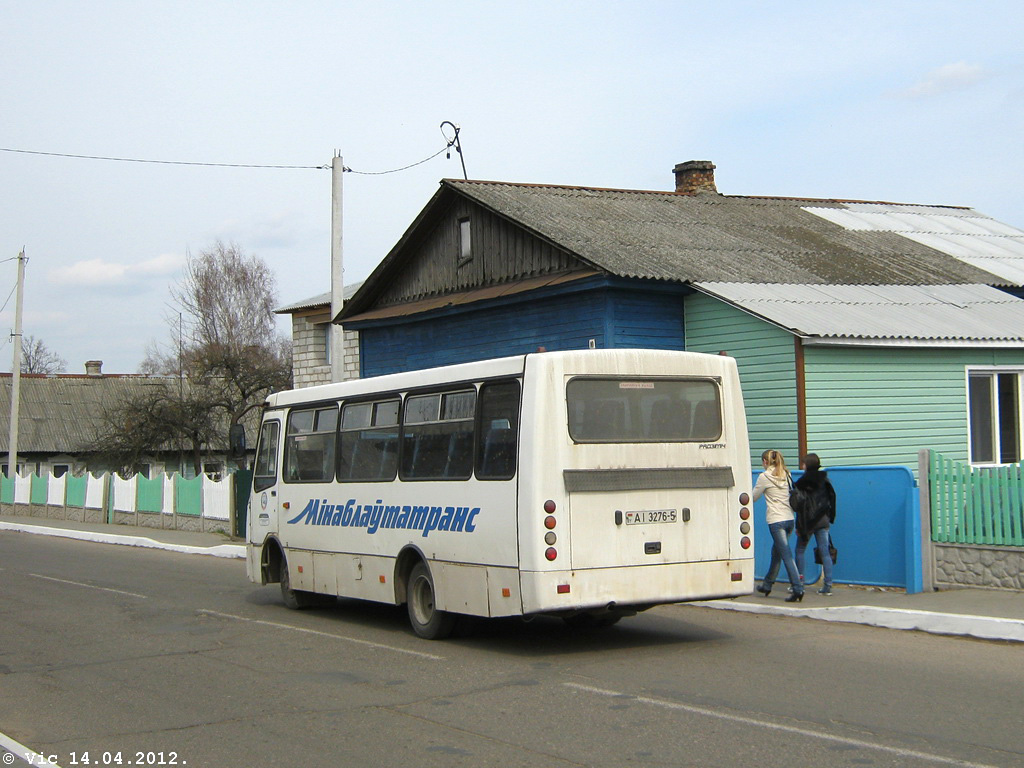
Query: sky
x=914, y=102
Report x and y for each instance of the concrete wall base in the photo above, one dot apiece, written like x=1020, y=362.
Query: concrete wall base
x=194, y=523
x=974, y=566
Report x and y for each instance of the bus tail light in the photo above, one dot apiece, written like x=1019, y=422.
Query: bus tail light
x=562, y=589
x=549, y=506
x=550, y=553
x=745, y=542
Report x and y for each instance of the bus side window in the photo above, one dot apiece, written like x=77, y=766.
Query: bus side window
x=437, y=436
x=265, y=473
x=498, y=430
x=369, y=441
x=309, y=445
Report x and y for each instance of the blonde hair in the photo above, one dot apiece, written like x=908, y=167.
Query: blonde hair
x=776, y=465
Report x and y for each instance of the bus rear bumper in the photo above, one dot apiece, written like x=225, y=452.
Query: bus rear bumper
x=598, y=588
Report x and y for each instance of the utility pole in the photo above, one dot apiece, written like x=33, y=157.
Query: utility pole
x=337, y=340
x=12, y=442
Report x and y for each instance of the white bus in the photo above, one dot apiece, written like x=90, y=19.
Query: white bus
x=589, y=485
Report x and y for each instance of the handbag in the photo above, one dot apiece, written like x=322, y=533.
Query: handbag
x=832, y=552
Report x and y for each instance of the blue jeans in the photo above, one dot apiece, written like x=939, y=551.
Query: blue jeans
x=821, y=539
x=781, y=553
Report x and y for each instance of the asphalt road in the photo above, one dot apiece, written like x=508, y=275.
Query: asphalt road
x=151, y=657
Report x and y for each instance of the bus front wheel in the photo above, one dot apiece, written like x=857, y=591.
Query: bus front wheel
x=427, y=621
x=295, y=598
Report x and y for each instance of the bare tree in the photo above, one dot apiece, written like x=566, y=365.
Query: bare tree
x=164, y=417
x=224, y=339
x=37, y=358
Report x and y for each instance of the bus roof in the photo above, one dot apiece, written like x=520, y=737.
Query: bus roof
x=483, y=369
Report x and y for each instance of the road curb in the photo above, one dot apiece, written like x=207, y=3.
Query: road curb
x=963, y=625
x=220, y=550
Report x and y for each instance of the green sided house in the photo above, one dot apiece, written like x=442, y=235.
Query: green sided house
x=864, y=331
x=869, y=374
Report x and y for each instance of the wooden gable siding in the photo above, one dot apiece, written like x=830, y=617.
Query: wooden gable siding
x=501, y=252
x=881, y=405
x=569, y=318
x=766, y=358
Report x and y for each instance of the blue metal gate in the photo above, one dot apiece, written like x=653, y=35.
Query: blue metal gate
x=877, y=529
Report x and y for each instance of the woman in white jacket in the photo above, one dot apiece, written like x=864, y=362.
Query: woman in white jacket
x=774, y=484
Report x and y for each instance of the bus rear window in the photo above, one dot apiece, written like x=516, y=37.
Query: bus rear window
x=644, y=410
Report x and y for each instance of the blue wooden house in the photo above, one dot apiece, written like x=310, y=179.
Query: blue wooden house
x=863, y=330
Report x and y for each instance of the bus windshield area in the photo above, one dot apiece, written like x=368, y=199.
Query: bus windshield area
x=604, y=410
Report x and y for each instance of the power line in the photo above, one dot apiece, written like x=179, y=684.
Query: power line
x=164, y=162
x=221, y=165
x=403, y=168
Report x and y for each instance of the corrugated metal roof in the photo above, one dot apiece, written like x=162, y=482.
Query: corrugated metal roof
x=711, y=237
x=965, y=234
x=320, y=300
x=933, y=315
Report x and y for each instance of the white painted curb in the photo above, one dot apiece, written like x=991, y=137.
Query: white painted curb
x=220, y=550
x=983, y=627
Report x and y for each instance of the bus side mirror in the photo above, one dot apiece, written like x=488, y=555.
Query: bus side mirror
x=237, y=441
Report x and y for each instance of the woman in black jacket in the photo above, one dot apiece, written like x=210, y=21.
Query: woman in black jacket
x=818, y=513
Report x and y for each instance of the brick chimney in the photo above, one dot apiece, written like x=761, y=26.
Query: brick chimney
x=93, y=367
x=695, y=176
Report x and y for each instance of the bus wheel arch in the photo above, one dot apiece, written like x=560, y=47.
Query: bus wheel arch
x=270, y=561
x=420, y=597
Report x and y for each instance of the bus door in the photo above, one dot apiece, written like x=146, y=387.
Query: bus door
x=263, y=501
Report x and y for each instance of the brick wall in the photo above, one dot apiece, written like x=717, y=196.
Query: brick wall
x=309, y=353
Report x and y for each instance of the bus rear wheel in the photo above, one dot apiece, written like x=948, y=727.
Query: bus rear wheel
x=427, y=621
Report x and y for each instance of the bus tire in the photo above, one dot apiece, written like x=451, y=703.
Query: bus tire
x=296, y=599
x=427, y=621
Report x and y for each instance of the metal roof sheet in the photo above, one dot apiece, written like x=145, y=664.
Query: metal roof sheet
x=320, y=300
x=930, y=315
x=963, y=233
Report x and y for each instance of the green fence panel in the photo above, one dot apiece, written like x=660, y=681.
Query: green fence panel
x=976, y=505
x=74, y=490
x=149, y=494
x=6, y=489
x=38, y=489
x=188, y=495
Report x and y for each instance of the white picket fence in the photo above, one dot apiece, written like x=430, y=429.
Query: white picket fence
x=166, y=501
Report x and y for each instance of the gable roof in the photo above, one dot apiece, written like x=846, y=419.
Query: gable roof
x=883, y=315
x=709, y=237
x=60, y=413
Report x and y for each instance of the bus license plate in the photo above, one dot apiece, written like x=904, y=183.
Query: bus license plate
x=648, y=516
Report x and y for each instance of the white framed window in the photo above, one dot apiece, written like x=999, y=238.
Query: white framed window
x=994, y=408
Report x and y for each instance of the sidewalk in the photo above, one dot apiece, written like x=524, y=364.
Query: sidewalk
x=982, y=613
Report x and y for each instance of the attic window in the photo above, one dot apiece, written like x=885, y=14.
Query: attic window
x=465, y=242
